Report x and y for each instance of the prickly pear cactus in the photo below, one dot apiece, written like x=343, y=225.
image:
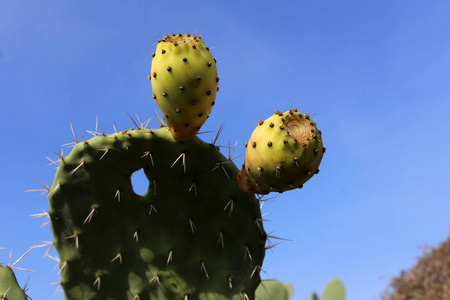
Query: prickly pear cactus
x=184, y=82
x=274, y=290
x=334, y=290
x=193, y=235
x=283, y=153
x=9, y=287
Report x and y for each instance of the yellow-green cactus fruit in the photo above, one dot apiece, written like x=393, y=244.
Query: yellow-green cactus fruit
x=283, y=153
x=184, y=83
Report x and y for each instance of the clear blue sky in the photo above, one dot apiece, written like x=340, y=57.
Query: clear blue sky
x=373, y=74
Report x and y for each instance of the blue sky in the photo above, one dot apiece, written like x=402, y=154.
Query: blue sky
x=374, y=75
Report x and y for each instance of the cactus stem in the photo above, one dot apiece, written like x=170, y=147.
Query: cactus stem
x=90, y=215
x=203, y=269
x=192, y=225
x=117, y=257
x=229, y=204
x=183, y=156
x=170, y=257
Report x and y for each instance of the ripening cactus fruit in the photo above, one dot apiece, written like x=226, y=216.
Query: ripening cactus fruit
x=184, y=83
x=9, y=287
x=193, y=235
x=283, y=153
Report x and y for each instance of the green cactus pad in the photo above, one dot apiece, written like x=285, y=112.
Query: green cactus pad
x=184, y=82
x=334, y=290
x=283, y=153
x=193, y=235
x=274, y=290
x=9, y=287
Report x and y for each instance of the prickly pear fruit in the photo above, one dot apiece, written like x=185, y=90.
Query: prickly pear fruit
x=274, y=290
x=9, y=287
x=193, y=236
x=283, y=153
x=184, y=82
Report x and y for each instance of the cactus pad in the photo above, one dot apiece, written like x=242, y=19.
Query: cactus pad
x=184, y=82
x=283, y=153
x=9, y=287
x=193, y=235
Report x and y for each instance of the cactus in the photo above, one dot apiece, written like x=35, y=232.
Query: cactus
x=274, y=290
x=9, y=287
x=197, y=233
x=184, y=82
x=334, y=290
x=193, y=235
x=283, y=153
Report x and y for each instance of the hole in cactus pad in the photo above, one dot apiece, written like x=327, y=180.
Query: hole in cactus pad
x=139, y=182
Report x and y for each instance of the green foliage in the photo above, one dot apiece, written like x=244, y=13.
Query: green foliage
x=193, y=235
x=274, y=290
x=334, y=290
x=9, y=287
